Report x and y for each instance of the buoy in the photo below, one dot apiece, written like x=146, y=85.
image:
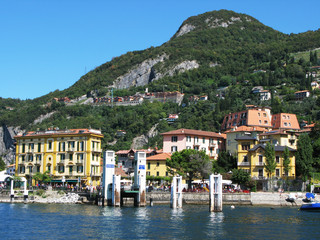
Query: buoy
x=232, y=207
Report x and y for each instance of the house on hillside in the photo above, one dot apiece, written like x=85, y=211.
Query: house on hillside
x=300, y=95
x=210, y=142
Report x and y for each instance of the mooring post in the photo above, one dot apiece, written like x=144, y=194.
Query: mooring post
x=11, y=191
x=179, y=193
x=215, y=193
x=140, y=178
x=25, y=191
x=173, y=198
x=116, y=191
x=107, y=178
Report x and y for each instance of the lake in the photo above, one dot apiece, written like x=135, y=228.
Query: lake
x=57, y=221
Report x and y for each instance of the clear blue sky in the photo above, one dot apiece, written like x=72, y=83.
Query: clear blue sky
x=49, y=44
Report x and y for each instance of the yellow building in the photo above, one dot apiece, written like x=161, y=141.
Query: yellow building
x=70, y=156
x=251, y=158
x=281, y=137
x=156, y=165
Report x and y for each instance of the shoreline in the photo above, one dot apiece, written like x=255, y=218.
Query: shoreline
x=163, y=198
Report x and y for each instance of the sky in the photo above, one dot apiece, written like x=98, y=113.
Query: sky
x=47, y=45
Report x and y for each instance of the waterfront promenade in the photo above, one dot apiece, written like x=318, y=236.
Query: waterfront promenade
x=163, y=197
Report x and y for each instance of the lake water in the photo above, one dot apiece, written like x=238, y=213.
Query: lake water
x=53, y=221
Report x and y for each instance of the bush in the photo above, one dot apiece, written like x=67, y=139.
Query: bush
x=40, y=192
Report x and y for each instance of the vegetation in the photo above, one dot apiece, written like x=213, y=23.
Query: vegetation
x=2, y=164
x=232, y=60
x=270, y=164
x=190, y=164
x=304, y=158
x=42, y=177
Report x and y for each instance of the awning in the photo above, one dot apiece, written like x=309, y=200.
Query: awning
x=67, y=180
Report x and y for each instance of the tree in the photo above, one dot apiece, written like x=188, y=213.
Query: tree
x=42, y=177
x=270, y=164
x=240, y=176
x=225, y=162
x=190, y=163
x=286, y=160
x=304, y=158
x=2, y=164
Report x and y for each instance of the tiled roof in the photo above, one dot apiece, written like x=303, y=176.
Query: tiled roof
x=59, y=132
x=183, y=131
x=277, y=148
x=246, y=129
x=159, y=157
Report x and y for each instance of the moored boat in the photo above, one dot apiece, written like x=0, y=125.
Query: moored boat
x=310, y=207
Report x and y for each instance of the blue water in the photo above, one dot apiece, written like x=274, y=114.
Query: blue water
x=53, y=221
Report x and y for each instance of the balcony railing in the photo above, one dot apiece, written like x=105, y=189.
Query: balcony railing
x=96, y=150
x=71, y=149
x=260, y=164
x=243, y=163
x=79, y=161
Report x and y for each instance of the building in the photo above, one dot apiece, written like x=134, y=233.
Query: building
x=280, y=137
x=126, y=158
x=71, y=155
x=156, y=165
x=252, y=117
x=300, y=95
x=251, y=158
x=265, y=95
x=236, y=132
x=212, y=143
x=285, y=121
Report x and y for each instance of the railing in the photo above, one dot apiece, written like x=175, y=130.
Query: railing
x=260, y=164
x=243, y=163
x=80, y=161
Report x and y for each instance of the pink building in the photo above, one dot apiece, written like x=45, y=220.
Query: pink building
x=212, y=143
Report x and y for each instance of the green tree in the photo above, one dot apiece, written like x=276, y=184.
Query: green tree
x=42, y=177
x=270, y=164
x=190, y=164
x=225, y=162
x=304, y=159
x=286, y=160
x=2, y=164
x=240, y=176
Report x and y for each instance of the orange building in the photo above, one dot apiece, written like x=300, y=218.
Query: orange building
x=285, y=121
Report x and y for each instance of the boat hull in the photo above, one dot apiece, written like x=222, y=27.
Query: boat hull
x=310, y=207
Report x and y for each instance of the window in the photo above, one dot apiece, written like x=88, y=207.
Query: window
x=50, y=145
x=260, y=159
x=30, y=158
x=245, y=146
x=22, y=169
x=259, y=121
x=38, y=168
x=174, y=149
x=203, y=149
x=23, y=148
x=278, y=172
x=62, y=157
x=79, y=169
x=158, y=164
x=265, y=122
x=23, y=158
x=157, y=173
x=174, y=139
x=148, y=173
x=71, y=157
x=196, y=148
x=277, y=159
x=285, y=124
x=70, y=169
x=166, y=174
x=148, y=166
x=264, y=114
x=31, y=147
x=196, y=139
x=188, y=147
x=81, y=146
x=39, y=147
x=188, y=139
x=259, y=114
x=245, y=158
x=30, y=169
x=61, y=169
x=49, y=168
x=204, y=140
x=260, y=173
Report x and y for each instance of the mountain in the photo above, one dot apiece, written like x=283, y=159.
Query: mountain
x=209, y=52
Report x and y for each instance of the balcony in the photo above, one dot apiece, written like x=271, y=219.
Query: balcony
x=71, y=149
x=79, y=161
x=95, y=174
x=212, y=145
x=260, y=164
x=30, y=151
x=38, y=162
x=96, y=150
x=243, y=163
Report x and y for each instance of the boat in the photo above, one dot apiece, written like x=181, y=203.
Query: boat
x=310, y=205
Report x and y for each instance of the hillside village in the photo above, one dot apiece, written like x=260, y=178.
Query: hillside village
x=243, y=87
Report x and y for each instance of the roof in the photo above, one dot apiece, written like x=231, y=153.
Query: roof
x=139, y=150
x=246, y=138
x=120, y=171
x=51, y=132
x=277, y=148
x=183, y=131
x=276, y=132
x=159, y=157
x=246, y=129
